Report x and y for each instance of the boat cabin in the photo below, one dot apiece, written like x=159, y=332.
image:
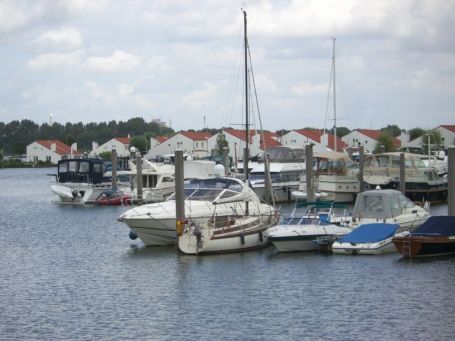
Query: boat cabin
x=380, y=204
x=81, y=171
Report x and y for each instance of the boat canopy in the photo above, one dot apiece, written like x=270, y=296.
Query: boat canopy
x=436, y=225
x=370, y=233
x=81, y=170
x=380, y=204
x=285, y=154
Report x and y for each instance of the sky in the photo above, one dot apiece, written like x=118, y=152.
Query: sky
x=180, y=61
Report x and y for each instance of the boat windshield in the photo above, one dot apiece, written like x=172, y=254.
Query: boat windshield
x=302, y=221
x=276, y=177
x=210, y=189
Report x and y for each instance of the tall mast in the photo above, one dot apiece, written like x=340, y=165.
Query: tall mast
x=334, y=98
x=247, y=126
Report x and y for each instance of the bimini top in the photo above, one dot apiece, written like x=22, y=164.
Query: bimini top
x=370, y=233
x=380, y=204
x=436, y=226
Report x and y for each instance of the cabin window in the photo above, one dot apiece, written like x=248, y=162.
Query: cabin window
x=97, y=168
x=72, y=166
x=168, y=179
x=84, y=167
x=62, y=167
x=383, y=161
x=395, y=161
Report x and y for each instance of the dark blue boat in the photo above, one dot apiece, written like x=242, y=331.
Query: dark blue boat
x=434, y=237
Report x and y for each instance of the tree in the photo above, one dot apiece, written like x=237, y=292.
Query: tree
x=106, y=156
x=140, y=142
x=342, y=131
x=415, y=133
x=221, y=144
x=386, y=140
x=435, y=141
x=392, y=130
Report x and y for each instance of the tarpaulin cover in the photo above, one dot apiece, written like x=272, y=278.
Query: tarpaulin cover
x=370, y=233
x=437, y=225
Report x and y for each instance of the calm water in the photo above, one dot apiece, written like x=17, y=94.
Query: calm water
x=71, y=273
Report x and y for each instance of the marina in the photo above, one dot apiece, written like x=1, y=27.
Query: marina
x=71, y=272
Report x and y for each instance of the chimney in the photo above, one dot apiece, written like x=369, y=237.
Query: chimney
x=94, y=146
x=53, y=147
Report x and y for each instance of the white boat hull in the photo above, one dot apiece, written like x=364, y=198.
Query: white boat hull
x=384, y=246
x=240, y=240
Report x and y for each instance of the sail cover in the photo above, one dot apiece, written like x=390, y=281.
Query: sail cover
x=436, y=225
x=370, y=233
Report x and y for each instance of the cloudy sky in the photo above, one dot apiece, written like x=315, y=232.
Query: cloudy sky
x=86, y=60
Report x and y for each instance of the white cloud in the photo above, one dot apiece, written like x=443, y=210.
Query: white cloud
x=117, y=61
x=198, y=99
x=309, y=89
x=56, y=60
x=64, y=38
x=12, y=16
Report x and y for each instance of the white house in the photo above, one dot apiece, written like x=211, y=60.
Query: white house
x=193, y=143
x=367, y=138
x=236, y=142
x=321, y=141
x=447, y=134
x=48, y=150
x=447, y=137
x=121, y=144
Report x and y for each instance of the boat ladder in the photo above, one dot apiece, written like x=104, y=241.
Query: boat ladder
x=406, y=245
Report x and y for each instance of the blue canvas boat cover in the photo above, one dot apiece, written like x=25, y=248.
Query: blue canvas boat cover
x=436, y=225
x=370, y=233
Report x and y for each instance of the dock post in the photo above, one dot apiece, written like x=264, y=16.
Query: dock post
x=267, y=182
x=402, y=175
x=349, y=150
x=114, y=168
x=309, y=172
x=451, y=182
x=225, y=161
x=361, y=166
x=179, y=194
x=139, y=178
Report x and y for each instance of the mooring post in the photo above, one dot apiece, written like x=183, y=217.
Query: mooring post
x=451, y=182
x=114, y=168
x=361, y=164
x=309, y=172
x=267, y=184
x=402, y=175
x=139, y=177
x=225, y=161
x=349, y=150
x=179, y=193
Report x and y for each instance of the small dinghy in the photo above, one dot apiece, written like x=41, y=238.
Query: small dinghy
x=368, y=239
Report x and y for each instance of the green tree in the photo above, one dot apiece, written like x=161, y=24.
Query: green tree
x=435, y=141
x=392, y=130
x=140, y=142
x=106, y=156
x=342, y=131
x=221, y=144
x=415, y=133
x=386, y=140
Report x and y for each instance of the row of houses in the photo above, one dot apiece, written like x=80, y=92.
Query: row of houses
x=202, y=144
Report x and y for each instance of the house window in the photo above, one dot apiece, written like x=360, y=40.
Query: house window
x=48, y=158
x=197, y=144
x=366, y=141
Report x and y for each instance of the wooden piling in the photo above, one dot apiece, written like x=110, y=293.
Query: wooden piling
x=114, y=169
x=267, y=180
x=309, y=172
x=179, y=193
x=402, y=174
x=361, y=167
x=139, y=184
x=451, y=182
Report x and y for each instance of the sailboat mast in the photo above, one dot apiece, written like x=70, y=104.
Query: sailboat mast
x=334, y=99
x=247, y=126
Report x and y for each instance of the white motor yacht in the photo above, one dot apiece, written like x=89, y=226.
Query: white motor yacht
x=388, y=206
x=155, y=224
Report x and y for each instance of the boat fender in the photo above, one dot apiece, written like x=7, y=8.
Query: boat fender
x=132, y=235
x=261, y=237
x=242, y=239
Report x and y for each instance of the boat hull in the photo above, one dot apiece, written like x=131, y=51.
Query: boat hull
x=215, y=241
x=422, y=246
x=384, y=246
x=292, y=244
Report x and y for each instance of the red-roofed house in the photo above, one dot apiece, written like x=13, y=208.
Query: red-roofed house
x=322, y=141
x=194, y=143
x=121, y=144
x=367, y=138
x=236, y=140
x=447, y=137
x=48, y=150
